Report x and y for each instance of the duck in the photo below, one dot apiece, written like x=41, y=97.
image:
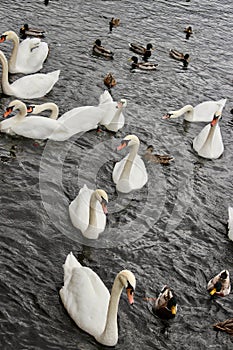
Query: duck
x=114, y=22
x=156, y=158
x=180, y=57
x=188, y=30
x=26, y=57
x=12, y=155
x=142, y=65
x=30, y=86
x=202, y=112
x=109, y=80
x=165, y=305
x=102, y=51
x=208, y=143
x=225, y=326
x=89, y=303
x=88, y=212
x=220, y=284
x=130, y=173
x=26, y=31
x=141, y=50
x=112, y=112
x=230, y=223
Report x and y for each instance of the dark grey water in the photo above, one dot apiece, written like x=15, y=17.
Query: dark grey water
x=173, y=231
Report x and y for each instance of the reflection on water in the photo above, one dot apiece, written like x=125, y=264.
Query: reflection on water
x=173, y=231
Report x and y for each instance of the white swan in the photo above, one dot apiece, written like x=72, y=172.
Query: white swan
x=130, y=173
x=88, y=212
x=203, y=112
x=26, y=57
x=208, y=143
x=35, y=127
x=88, y=302
x=113, y=118
x=30, y=86
x=230, y=223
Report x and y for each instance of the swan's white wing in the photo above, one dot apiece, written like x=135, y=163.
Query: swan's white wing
x=230, y=223
x=108, y=110
x=79, y=209
x=200, y=139
x=81, y=119
x=35, y=127
x=34, y=85
x=205, y=111
x=86, y=299
x=6, y=125
x=105, y=97
x=116, y=125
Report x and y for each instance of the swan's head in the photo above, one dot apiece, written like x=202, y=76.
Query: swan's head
x=13, y=105
x=98, y=42
x=129, y=140
x=7, y=36
x=171, y=114
x=167, y=298
x=122, y=103
x=128, y=281
x=102, y=197
x=216, y=118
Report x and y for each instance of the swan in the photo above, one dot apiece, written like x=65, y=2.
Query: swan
x=30, y=86
x=165, y=305
x=112, y=117
x=220, y=284
x=203, y=112
x=208, y=143
x=230, y=223
x=130, y=173
x=35, y=127
x=88, y=212
x=88, y=302
x=26, y=57
x=36, y=109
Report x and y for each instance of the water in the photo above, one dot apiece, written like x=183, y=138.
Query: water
x=173, y=231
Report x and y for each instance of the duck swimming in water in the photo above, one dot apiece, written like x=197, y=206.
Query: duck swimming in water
x=180, y=57
x=225, y=326
x=142, y=65
x=102, y=51
x=220, y=284
x=156, y=158
x=25, y=32
x=109, y=81
x=165, y=305
x=114, y=23
x=141, y=50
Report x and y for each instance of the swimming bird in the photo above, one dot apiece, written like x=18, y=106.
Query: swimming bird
x=109, y=80
x=225, y=326
x=88, y=211
x=180, y=57
x=230, y=223
x=89, y=303
x=208, y=143
x=188, y=32
x=220, y=284
x=142, y=65
x=130, y=173
x=141, y=50
x=165, y=305
x=26, y=31
x=156, y=158
x=30, y=86
x=114, y=22
x=102, y=51
x=26, y=57
x=112, y=112
x=203, y=112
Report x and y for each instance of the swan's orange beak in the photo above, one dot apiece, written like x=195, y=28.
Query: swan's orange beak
x=8, y=111
x=130, y=295
x=166, y=116
x=122, y=145
x=105, y=209
x=30, y=109
x=3, y=38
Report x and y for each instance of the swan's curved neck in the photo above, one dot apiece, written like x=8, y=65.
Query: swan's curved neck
x=21, y=113
x=188, y=110
x=110, y=333
x=47, y=106
x=93, y=216
x=13, y=57
x=5, y=83
x=129, y=162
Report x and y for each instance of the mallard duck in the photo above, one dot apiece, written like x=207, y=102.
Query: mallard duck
x=220, y=284
x=25, y=31
x=225, y=326
x=156, y=158
x=109, y=80
x=142, y=65
x=188, y=30
x=101, y=51
x=114, y=23
x=180, y=56
x=165, y=305
x=141, y=50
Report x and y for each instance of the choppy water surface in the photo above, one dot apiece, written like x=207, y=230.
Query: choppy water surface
x=173, y=231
